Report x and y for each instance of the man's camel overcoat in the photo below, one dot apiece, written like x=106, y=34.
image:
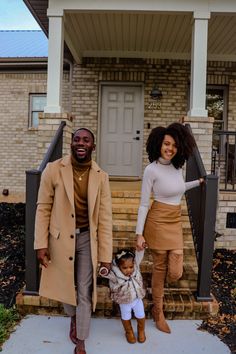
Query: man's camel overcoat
x=55, y=227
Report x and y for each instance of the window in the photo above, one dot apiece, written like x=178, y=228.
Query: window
x=37, y=104
x=216, y=103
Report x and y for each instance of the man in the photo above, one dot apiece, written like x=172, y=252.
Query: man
x=73, y=232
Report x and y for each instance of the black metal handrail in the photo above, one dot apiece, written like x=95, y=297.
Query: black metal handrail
x=224, y=159
x=202, y=215
x=32, y=185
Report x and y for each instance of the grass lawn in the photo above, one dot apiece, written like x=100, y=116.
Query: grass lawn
x=8, y=319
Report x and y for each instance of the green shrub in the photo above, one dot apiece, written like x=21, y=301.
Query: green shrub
x=8, y=318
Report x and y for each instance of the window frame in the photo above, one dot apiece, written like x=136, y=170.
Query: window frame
x=225, y=90
x=222, y=141
x=31, y=111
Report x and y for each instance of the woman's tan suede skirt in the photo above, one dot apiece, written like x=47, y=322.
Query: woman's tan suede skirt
x=163, y=227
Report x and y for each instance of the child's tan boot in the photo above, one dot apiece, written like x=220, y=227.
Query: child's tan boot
x=141, y=330
x=129, y=333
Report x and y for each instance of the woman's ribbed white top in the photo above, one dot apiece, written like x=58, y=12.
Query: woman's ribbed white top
x=162, y=180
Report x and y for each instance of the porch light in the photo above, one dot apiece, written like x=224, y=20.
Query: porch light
x=155, y=94
x=5, y=192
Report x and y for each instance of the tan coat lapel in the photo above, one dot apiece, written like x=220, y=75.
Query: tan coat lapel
x=93, y=184
x=67, y=176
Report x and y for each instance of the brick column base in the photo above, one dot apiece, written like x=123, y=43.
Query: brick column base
x=48, y=125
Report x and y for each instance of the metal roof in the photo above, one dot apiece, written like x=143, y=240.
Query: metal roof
x=23, y=44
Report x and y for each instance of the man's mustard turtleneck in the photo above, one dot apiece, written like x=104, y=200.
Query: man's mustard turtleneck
x=80, y=177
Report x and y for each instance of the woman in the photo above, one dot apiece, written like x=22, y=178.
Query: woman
x=160, y=228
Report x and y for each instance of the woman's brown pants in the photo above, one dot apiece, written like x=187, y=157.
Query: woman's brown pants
x=166, y=265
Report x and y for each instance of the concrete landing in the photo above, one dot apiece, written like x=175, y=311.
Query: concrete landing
x=49, y=335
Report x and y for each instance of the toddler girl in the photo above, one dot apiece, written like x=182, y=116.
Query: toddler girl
x=126, y=285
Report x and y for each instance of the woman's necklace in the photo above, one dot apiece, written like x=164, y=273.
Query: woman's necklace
x=81, y=176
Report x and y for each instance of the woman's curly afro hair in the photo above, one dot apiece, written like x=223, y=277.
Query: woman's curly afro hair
x=183, y=138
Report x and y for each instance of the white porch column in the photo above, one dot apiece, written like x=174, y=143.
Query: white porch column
x=198, y=67
x=55, y=64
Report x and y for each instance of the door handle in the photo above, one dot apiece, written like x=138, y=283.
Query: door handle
x=136, y=138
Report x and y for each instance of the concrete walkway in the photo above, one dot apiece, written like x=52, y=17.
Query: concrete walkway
x=49, y=335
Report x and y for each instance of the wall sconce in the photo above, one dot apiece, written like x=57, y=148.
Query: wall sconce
x=155, y=94
x=5, y=192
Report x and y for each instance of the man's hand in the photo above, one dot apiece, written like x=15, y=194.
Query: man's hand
x=43, y=257
x=104, y=268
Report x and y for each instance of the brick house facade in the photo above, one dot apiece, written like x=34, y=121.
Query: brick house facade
x=21, y=148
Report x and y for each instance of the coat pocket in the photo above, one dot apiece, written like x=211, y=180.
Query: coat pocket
x=54, y=232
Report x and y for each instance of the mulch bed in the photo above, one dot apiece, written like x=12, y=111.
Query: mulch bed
x=224, y=289
x=12, y=253
x=12, y=269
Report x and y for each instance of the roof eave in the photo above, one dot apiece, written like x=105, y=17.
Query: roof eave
x=34, y=13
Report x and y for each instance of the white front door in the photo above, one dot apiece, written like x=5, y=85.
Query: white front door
x=121, y=130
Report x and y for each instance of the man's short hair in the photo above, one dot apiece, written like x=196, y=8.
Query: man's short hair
x=93, y=137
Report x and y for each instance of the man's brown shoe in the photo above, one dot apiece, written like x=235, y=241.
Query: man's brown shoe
x=73, y=335
x=79, y=351
x=80, y=347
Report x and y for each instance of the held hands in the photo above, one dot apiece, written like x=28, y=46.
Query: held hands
x=104, y=268
x=141, y=243
x=43, y=257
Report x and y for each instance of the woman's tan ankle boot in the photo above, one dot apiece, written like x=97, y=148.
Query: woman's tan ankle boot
x=159, y=318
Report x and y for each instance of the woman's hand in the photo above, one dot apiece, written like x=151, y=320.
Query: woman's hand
x=141, y=243
x=201, y=180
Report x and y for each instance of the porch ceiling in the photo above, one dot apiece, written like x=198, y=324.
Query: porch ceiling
x=146, y=35
x=139, y=34
x=129, y=34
